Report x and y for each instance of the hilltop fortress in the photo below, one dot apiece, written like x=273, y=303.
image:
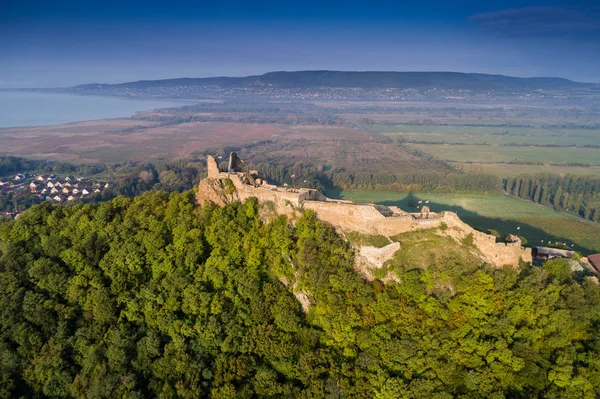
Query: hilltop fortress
x=240, y=182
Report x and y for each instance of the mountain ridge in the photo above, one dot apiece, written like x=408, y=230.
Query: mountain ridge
x=361, y=79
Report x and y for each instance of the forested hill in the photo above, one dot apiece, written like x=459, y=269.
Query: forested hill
x=155, y=296
x=366, y=80
x=341, y=84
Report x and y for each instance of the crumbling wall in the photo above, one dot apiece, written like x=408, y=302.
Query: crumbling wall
x=213, y=167
x=350, y=217
x=236, y=164
x=495, y=253
x=223, y=188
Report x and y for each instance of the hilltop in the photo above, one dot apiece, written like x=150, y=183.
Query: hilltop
x=157, y=296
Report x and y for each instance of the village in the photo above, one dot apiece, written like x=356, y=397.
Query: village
x=45, y=187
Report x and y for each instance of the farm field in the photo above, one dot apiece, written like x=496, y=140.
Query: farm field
x=505, y=154
x=496, y=211
x=498, y=139
x=508, y=170
x=500, y=135
x=130, y=139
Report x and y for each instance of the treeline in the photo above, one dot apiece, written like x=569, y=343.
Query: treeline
x=572, y=125
x=164, y=121
x=10, y=165
x=320, y=177
x=575, y=194
x=431, y=122
x=154, y=297
x=417, y=181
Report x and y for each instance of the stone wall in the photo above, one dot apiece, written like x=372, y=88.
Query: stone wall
x=347, y=216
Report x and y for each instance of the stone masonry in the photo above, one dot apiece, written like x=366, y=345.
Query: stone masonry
x=240, y=183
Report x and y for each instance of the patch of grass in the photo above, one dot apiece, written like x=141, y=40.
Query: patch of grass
x=507, y=169
x=360, y=239
x=441, y=256
x=538, y=224
x=228, y=186
x=486, y=154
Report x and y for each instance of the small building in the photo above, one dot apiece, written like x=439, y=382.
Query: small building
x=84, y=192
x=72, y=198
x=54, y=190
x=57, y=198
x=550, y=253
x=75, y=191
x=594, y=260
x=65, y=190
x=50, y=184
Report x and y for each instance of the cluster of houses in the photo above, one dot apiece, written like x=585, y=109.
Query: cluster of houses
x=51, y=187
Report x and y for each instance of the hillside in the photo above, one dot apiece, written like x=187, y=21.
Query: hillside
x=157, y=297
x=364, y=80
x=343, y=84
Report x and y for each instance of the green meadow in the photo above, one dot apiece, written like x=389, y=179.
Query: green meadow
x=508, y=169
x=496, y=211
x=487, y=154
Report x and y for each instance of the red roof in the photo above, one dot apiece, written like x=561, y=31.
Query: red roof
x=595, y=261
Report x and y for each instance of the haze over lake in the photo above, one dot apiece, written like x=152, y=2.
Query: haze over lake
x=36, y=109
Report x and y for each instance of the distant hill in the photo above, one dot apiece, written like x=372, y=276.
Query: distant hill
x=338, y=85
x=362, y=80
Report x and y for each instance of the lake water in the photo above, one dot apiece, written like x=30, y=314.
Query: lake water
x=35, y=109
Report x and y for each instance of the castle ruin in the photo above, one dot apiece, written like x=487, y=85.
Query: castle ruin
x=239, y=183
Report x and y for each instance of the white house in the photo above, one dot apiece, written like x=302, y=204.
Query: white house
x=84, y=192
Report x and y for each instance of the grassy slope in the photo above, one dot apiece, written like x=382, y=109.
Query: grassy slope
x=499, y=212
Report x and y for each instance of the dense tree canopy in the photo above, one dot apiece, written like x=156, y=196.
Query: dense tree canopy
x=154, y=296
x=576, y=194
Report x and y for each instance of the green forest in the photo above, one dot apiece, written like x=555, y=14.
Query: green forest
x=155, y=296
x=577, y=194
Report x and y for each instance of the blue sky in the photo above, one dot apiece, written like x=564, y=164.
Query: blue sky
x=49, y=43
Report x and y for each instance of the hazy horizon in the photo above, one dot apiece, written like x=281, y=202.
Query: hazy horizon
x=291, y=71
x=70, y=43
